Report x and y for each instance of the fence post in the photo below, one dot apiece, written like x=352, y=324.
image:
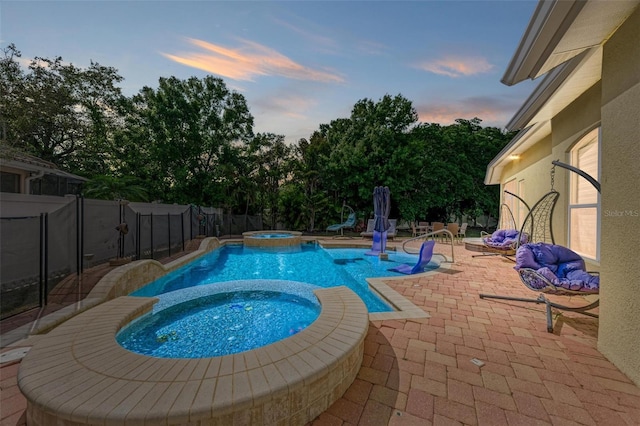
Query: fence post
x=182, y=229
x=46, y=258
x=190, y=222
x=169, y=231
x=41, y=278
x=151, y=235
x=138, y=235
x=81, y=233
x=78, y=252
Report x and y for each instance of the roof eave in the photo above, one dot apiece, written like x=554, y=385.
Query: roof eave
x=494, y=168
x=549, y=23
x=543, y=92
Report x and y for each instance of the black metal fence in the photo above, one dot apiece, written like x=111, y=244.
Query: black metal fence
x=39, y=251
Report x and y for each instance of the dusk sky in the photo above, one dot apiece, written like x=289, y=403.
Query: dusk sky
x=299, y=64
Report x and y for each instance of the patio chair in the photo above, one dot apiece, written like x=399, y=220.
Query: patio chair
x=369, y=231
x=392, y=232
x=553, y=269
x=419, y=228
x=453, y=227
x=548, y=268
x=437, y=226
x=462, y=232
x=349, y=223
x=426, y=253
x=506, y=239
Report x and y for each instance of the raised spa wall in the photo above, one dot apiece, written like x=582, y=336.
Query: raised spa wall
x=252, y=238
x=77, y=374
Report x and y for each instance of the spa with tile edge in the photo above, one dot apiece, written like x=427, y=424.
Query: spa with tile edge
x=79, y=375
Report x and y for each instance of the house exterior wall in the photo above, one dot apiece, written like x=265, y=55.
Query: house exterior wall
x=619, y=328
x=614, y=104
x=534, y=165
x=22, y=173
x=568, y=127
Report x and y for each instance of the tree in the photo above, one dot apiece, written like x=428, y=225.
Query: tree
x=274, y=162
x=106, y=187
x=308, y=172
x=455, y=160
x=372, y=148
x=58, y=112
x=184, y=139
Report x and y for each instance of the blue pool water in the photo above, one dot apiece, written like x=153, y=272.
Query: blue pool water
x=222, y=319
x=306, y=263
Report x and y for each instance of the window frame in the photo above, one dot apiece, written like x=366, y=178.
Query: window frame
x=583, y=141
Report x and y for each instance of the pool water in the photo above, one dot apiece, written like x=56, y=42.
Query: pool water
x=308, y=263
x=224, y=323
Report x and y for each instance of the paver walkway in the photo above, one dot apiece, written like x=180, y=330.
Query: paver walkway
x=422, y=372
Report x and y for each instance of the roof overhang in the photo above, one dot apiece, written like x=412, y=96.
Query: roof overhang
x=524, y=140
x=37, y=168
x=556, y=91
x=563, y=41
x=562, y=29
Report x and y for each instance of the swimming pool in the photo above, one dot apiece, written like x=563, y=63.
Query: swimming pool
x=308, y=263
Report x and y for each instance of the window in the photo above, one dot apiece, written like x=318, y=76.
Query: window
x=518, y=210
x=9, y=182
x=584, y=200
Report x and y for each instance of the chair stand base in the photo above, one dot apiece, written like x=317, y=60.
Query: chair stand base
x=549, y=304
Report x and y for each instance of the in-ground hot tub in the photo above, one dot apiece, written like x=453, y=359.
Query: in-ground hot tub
x=222, y=319
x=78, y=374
x=272, y=238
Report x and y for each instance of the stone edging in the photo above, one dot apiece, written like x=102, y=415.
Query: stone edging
x=77, y=374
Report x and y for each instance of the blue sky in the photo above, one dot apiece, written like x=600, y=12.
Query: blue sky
x=298, y=63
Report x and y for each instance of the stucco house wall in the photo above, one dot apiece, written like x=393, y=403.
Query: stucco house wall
x=534, y=164
x=568, y=127
x=613, y=103
x=619, y=328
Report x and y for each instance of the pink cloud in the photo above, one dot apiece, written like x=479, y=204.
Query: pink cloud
x=455, y=67
x=247, y=61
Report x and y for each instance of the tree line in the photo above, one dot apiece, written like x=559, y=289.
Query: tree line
x=192, y=141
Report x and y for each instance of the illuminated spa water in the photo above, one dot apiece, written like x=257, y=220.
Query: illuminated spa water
x=222, y=319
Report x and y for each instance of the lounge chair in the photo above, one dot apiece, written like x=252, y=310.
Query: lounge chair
x=369, y=231
x=426, y=253
x=349, y=223
x=392, y=232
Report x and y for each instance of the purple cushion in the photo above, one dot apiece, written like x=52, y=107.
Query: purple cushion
x=558, y=264
x=525, y=258
x=503, y=239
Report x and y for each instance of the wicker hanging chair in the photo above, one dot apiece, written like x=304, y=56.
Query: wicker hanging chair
x=548, y=268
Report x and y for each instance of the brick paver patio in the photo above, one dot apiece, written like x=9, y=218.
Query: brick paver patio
x=473, y=362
